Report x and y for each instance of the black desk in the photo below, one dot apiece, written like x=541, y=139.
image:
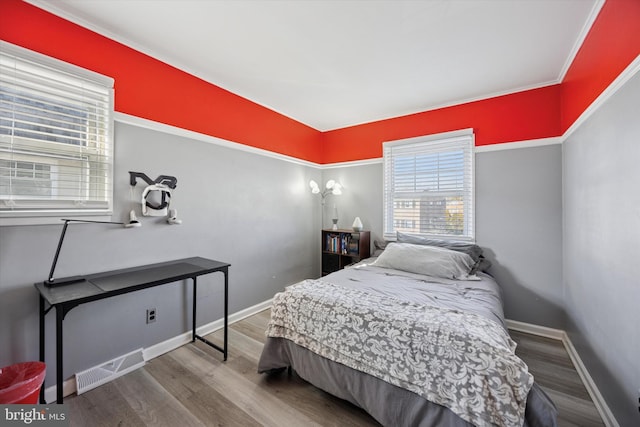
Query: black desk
x=111, y=283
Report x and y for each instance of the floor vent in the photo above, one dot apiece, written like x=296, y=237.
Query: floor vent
x=93, y=377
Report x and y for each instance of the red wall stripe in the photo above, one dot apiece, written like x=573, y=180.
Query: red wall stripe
x=151, y=89
x=612, y=44
x=531, y=114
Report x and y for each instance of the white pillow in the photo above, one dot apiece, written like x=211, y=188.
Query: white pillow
x=428, y=260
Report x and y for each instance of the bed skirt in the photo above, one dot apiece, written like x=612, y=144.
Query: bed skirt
x=388, y=404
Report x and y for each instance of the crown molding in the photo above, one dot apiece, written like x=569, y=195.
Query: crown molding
x=177, y=131
x=615, y=85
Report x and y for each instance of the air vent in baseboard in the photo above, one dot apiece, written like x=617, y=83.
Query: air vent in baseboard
x=93, y=377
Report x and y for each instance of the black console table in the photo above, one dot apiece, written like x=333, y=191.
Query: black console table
x=99, y=286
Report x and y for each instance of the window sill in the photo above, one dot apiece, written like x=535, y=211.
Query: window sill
x=48, y=220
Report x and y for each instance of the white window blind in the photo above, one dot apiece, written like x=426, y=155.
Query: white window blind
x=429, y=186
x=56, y=142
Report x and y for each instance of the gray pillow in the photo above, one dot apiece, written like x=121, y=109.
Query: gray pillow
x=427, y=260
x=380, y=245
x=471, y=249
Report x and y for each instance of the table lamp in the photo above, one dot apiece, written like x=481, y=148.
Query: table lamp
x=51, y=281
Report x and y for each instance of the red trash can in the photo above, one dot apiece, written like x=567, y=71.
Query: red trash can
x=21, y=383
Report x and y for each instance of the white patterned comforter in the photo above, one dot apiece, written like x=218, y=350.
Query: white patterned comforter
x=454, y=358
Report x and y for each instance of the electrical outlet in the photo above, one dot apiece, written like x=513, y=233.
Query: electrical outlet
x=151, y=315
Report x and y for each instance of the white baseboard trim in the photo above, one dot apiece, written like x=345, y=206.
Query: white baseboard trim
x=592, y=388
x=69, y=385
x=68, y=388
x=558, y=334
x=541, y=331
x=182, y=339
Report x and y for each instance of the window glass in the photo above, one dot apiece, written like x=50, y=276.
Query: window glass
x=56, y=142
x=428, y=186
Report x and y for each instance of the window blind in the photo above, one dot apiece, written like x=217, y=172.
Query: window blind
x=429, y=186
x=56, y=142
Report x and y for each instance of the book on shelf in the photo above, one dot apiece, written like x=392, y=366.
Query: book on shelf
x=340, y=243
x=353, y=246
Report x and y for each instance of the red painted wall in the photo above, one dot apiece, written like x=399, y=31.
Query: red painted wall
x=520, y=116
x=611, y=45
x=151, y=89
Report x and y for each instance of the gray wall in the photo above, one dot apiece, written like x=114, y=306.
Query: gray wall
x=601, y=167
x=518, y=223
x=362, y=197
x=253, y=211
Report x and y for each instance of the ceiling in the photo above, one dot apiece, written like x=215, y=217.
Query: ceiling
x=331, y=64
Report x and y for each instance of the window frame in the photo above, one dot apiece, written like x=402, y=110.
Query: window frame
x=464, y=140
x=86, y=142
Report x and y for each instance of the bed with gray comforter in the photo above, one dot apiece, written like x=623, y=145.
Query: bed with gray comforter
x=410, y=349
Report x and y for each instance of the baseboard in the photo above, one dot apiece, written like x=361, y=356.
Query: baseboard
x=558, y=334
x=182, y=339
x=592, y=388
x=69, y=385
x=68, y=388
x=541, y=331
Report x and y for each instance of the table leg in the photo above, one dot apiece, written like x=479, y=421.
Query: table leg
x=223, y=349
x=226, y=311
x=59, y=318
x=41, y=322
x=193, y=328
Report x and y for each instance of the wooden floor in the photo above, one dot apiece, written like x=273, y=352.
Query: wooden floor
x=191, y=386
x=550, y=365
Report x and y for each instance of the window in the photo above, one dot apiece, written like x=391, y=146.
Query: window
x=56, y=137
x=428, y=186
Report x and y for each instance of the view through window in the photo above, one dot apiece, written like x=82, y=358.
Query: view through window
x=428, y=186
x=56, y=148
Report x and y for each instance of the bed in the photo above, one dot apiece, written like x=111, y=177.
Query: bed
x=415, y=336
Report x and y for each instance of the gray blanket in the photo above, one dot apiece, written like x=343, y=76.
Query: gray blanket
x=392, y=402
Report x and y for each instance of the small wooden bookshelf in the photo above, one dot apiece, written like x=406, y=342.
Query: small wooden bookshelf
x=341, y=248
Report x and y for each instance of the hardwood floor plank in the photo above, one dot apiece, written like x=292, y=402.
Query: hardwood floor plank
x=174, y=377
x=239, y=343
x=553, y=370
x=260, y=404
x=575, y=411
x=206, y=404
x=96, y=408
x=542, y=348
x=558, y=378
x=254, y=326
x=293, y=390
x=152, y=402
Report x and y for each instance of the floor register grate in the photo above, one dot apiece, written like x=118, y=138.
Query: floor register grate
x=108, y=371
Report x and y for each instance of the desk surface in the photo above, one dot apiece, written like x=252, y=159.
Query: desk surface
x=110, y=283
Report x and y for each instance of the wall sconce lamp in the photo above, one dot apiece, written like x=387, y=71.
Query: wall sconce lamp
x=51, y=281
x=332, y=187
